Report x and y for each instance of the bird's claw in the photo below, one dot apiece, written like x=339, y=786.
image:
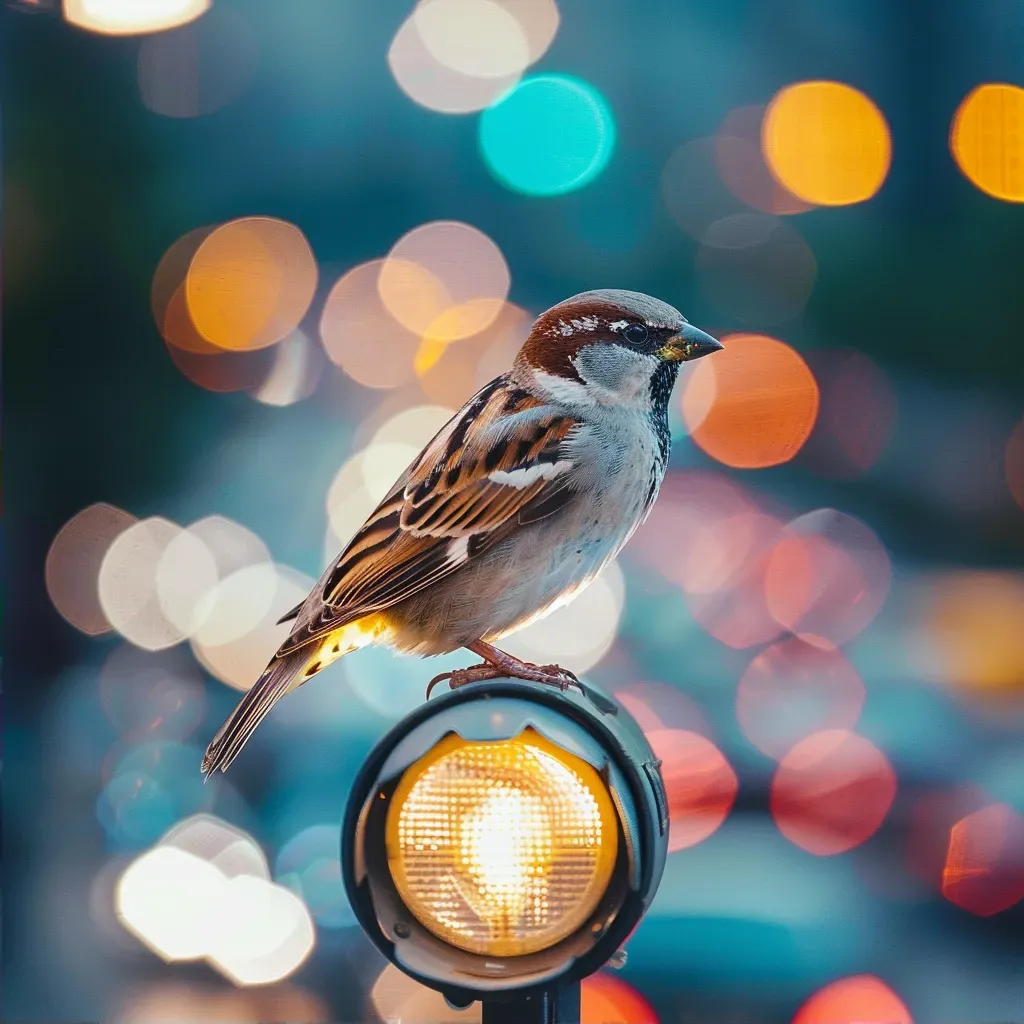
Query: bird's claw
x=560, y=677
x=461, y=676
x=552, y=675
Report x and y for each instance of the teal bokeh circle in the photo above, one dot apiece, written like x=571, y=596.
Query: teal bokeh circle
x=547, y=135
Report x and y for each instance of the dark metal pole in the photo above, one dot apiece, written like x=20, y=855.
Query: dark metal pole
x=552, y=1006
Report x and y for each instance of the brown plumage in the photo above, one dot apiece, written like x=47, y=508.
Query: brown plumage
x=516, y=503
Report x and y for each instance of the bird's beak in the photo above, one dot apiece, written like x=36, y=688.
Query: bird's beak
x=689, y=343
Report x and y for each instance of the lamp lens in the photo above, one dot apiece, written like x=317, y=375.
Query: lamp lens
x=502, y=847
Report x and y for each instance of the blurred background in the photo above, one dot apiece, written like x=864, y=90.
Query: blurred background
x=257, y=252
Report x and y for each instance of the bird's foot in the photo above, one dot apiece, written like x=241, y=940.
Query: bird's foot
x=499, y=665
x=461, y=676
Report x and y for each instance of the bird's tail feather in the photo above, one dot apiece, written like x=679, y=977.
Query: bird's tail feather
x=277, y=679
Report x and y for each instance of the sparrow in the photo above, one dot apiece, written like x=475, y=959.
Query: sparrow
x=515, y=505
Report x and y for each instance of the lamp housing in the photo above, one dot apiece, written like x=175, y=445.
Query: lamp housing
x=505, y=836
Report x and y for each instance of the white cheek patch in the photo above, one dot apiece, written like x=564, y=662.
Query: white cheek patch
x=519, y=478
x=562, y=389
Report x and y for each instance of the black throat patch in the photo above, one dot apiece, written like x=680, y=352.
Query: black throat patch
x=662, y=382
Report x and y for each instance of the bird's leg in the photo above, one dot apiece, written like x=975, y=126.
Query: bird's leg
x=507, y=665
x=499, y=665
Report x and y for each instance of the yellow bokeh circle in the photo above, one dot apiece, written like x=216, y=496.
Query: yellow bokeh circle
x=987, y=140
x=826, y=142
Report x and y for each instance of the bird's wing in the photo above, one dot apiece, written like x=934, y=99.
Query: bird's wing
x=499, y=464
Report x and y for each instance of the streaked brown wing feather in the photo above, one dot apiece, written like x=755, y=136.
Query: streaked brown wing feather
x=446, y=495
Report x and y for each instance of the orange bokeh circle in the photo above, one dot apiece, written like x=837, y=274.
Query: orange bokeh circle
x=987, y=140
x=753, y=405
x=605, y=999
x=861, y=999
x=250, y=282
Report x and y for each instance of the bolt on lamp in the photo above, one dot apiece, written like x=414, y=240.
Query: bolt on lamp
x=503, y=841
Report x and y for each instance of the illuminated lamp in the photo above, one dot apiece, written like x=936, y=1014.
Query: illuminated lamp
x=502, y=842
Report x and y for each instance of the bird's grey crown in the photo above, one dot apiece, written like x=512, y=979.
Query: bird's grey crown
x=652, y=311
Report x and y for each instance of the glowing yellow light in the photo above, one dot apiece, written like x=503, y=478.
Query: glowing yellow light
x=826, y=142
x=503, y=848
x=987, y=140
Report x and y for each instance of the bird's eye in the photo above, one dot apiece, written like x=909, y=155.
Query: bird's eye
x=635, y=334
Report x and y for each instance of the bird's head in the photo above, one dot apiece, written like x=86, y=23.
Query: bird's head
x=610, y=347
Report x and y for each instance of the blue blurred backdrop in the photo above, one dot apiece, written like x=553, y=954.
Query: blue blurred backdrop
x=256, y=253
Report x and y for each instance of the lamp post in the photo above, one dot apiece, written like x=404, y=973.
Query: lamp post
x=501, y=843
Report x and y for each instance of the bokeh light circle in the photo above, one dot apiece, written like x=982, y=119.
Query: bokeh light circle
x=538, y=20
x=826, y=142
x=753, y=405
x=793, y=689
x=241, y=633
x=163, y=898
x=741, y=165
x=361, y=336
x=479, y=38
x=431, y=84
x=548, y=135
x=250, y=282
x=606, y=999
x=118, y=18
x=444, y=280
x=128, y=584
x=73, y=564
x=448, y=374
x=987, y=140
x=860, y=999
x=972, y=621
x=230, y=850
x=827, y=578
x=831, y=792
x=203, y=893
x=261, y=932
x=729, y=601
x=984, y=869
x=699, y=783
